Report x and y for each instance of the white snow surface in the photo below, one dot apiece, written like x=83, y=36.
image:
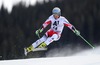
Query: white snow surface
x=71, y=60
x=87, y=57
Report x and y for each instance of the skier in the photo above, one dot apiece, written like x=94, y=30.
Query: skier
x=54, y=33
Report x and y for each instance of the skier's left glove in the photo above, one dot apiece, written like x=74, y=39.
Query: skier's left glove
x=77, y=32
x=38, y=31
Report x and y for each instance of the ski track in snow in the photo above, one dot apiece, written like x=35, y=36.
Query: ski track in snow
x=84, y=57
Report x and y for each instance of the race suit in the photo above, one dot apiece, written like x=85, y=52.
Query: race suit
x=54, y=33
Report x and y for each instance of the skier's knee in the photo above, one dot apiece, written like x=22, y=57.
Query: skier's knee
x=55, y=37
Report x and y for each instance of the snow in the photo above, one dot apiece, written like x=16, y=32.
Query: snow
x=72, y=60
x=87, y=57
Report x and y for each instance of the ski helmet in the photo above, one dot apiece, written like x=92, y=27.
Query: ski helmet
x=56, y=10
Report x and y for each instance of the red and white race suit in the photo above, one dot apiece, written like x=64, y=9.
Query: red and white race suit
x=54, y=33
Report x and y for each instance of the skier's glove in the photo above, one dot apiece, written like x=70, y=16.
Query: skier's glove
x=38, y=31
x=77, y=32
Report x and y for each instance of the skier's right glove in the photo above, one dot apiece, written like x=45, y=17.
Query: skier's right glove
x=77, y=32
x=38, y=31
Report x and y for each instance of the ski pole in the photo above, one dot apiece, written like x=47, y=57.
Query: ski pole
x=87, y=42
x=38, y=36
x=38, y=33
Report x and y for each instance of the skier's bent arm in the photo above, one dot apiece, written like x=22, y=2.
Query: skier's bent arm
x=66, y=23
x=73, y=28
x=45, y=24
x=70, y=26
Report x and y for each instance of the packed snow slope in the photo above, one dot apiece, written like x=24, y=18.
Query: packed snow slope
x=87, y=57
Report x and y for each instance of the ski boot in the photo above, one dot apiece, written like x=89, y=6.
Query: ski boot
x=28, y=49
x=42, y=45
